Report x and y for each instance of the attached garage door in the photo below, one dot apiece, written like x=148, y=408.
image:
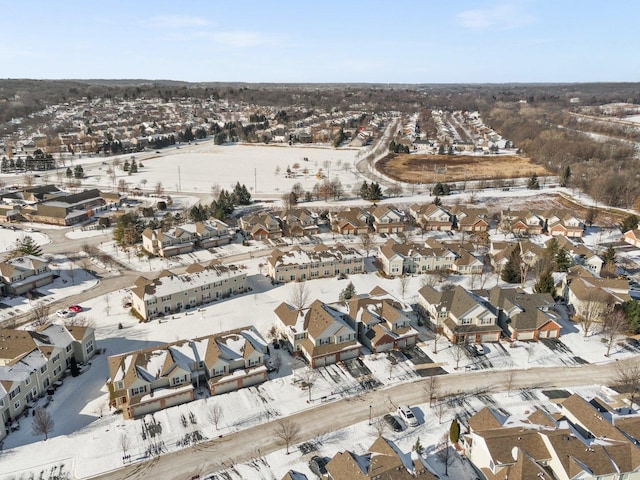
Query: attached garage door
x=225, y=387
x=525, y=336
x=552, y=333
x=349, y=355
x=488, y=337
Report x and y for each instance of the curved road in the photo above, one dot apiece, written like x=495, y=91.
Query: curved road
x=221, y=453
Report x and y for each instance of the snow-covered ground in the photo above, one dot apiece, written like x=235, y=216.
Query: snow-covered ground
x=86, y=436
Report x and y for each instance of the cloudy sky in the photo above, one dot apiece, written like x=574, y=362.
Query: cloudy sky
x=395, y=41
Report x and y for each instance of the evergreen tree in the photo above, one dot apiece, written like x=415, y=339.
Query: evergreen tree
x=198, y=213
x=348, y=292
x=364, y=190
x=69, y=172
x=375, y=192
x=630, y=222
x=223, y=206
x=441, y=150
x=78, y=171
x=128, y=230
x=26, y=246
x=533, y=183
x=562, y=260
x=73, y=366
x=545, y=283
x=241, y=195
x=511, y=272
x=437, y=201
x=454, y=431
x=564, y=177
x=134, y=167
x=609, y=256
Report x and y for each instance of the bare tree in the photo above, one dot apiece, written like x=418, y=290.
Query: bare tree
x=365, y=241
x=214, y=412
x=107, y=304
x=300, y=296
x=431, y=387
x=628, y=380
x=509, y=381
x=593, y=310
x=404, y=285
x=42, y=423
x=79, y=321
x=441, y=408
x=158, y=189
x=308, y=377
x=287, y=433
x=380, y=426
x=40, y=314
x=459, y=353
x=614, y=325
x=215, y=191
x=444, y=453
x=125, y=444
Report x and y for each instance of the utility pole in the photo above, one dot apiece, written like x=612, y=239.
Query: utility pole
x=179, y=180
x=255, y=180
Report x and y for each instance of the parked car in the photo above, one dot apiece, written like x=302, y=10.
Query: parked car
x=478, y=349
x=393, y=423
x=407, y=415
x=75, y=308
x=318, y=465
x=63, y=313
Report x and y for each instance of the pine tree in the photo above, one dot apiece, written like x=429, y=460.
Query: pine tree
x=630, y=222
x=348, y=292
x=562, y=260
x=545, y=283
x=69, y=172
x=26, y=246
x=533, y=183
x=511, y=272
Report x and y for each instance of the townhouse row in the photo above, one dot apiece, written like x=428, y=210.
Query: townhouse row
x=147, y=380
x=32, y=361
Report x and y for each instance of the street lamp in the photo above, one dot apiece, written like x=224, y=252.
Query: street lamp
x=370, y=415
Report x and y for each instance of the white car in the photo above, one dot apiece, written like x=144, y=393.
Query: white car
x=63, y=313
x=407, y=415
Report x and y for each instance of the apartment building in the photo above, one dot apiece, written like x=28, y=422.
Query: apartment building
x=320, y=262
x=186, y=238
x=31, y=361
x=170, y=292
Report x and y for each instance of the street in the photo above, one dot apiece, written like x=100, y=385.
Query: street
x=220, y=453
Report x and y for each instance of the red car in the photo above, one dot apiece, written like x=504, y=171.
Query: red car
x=75, y=308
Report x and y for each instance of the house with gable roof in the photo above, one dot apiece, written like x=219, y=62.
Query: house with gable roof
x=632, y=237
x=432, y=217
x=463, y=316
x=322, y=261
x=299, y=222
x=380, y=320
x=354, y=221
x=584, y=290
x=525, y=316
x=22, y=274
x=580, y=254
x=261, y=226
x=150, y=379
x=319, y=333
x=382, y=461
x=387, y=219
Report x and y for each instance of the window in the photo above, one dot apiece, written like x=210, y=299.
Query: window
x=89, y=347
x=166, y=298
x=56, y=358
x=43, y=368
x=138, y=390
x=13, y=393
x=57, y=370
x=28, y=380
x=466, y=321
x=68, y=348
x=16, y=405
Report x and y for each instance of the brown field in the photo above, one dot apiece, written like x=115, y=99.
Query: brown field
x=422, y=168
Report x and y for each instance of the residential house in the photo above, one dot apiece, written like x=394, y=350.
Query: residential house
x=387, y=220
x=211, y=233
x=31, y=361
x=318, y=333
x=500, y=252
x=170, y=292
x=166, y=244
x=521, y=222
x=432, y=217
x=580, y=254
x=590, y=295
x=261, y=226
x=398, y=259
x=320, y=262
x=632, y=237
x=380, y=320
x=299, y=222
x=467, y=219
x=383, y=461
x=145, y=381
x=580, y=441
x=525, y=316
x=20, y=275
x=354, y=221
x=463, y=316
x=562, y=222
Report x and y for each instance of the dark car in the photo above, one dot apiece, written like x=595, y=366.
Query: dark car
x=318, y=465
x=393, y=422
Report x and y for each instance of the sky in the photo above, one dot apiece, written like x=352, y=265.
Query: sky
x=400, y=41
